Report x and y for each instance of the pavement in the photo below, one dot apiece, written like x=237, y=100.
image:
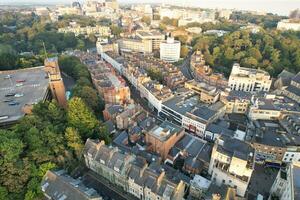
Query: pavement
x=105, y=188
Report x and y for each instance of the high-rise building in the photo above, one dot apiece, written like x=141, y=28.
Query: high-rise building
x=170, y=50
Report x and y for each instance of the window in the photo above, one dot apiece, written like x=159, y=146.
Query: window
x=223, y=181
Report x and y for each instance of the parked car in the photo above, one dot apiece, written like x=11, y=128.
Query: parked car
x=14, y=103
x=7, y=100
x=7, y=77
x=10, y=95
x=19, y=95
x=20, y=81
x=19, y=84
x=2, y=117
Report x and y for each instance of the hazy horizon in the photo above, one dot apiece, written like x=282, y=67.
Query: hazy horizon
x=281, y=7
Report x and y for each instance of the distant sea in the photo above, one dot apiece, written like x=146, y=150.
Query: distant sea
x=281, y=7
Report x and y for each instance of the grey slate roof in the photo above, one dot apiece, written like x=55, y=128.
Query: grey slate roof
x=60, y=186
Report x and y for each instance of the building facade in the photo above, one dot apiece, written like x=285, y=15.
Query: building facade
x=232, y=163
x=249, y=80
x=170, y=50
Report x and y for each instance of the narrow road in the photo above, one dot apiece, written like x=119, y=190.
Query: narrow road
x=185, y=67
x=104, y=188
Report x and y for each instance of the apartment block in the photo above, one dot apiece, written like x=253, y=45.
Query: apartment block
x=170, y=50
x=207, y=94
x=237, y=101
x=232, y=163
x=102, y=31
x=271, y=107
x=109, y=84
x=248, y=79
x=286, y=185
x=289, y=24
x=204, y=73
x=293, y=89
x=135, y=45
x=153, y=35
x=163, y=137
x=108, y=162
x=59, y=185
x=133, y=174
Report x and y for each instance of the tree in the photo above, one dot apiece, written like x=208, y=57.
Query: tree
x=146, y=20
x=255, y=53
x=184, y=51
x=182, y=38
x=80, y=117
x=249, y=62
x=8, y=58
x=74, y=141
x=3, y=193
x=115, y=30
x=90, y=96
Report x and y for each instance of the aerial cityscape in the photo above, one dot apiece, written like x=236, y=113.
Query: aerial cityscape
x=150, y=100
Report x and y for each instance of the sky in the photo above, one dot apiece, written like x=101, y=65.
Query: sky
x=281, y=7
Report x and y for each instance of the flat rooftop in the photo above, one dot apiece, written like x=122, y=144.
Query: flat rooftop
x=31, y=84
x=165, y=130
x=182, y=103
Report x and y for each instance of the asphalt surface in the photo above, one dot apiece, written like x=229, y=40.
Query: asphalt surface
x=31, y=84
x=107, y=190
x=185, y=67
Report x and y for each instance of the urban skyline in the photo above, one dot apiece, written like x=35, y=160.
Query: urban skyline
x=280, y=7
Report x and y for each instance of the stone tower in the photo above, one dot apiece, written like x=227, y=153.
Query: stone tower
x=55, y=81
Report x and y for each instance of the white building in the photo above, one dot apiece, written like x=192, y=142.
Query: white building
x=170, y=50
x=288, y=24
x=232, y=163
x=224, y=13
x=292, y=154
x=249, y=80
x=286, y=185
x=135, y=45
x=153, y=35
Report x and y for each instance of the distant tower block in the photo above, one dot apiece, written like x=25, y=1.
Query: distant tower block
x=55, y=81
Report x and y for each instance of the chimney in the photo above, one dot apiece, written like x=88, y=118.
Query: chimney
x=100, y=144
x=216, y=197
x=143, y=169
x=160, y=177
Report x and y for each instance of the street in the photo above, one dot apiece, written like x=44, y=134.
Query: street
x=104, y=188
x=185, y=67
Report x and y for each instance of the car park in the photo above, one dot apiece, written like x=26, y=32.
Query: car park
x=19, y=95
x=14, y=103
x=7, y=100
x=10, y=95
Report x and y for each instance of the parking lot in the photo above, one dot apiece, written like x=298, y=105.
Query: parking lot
x=19, y=88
